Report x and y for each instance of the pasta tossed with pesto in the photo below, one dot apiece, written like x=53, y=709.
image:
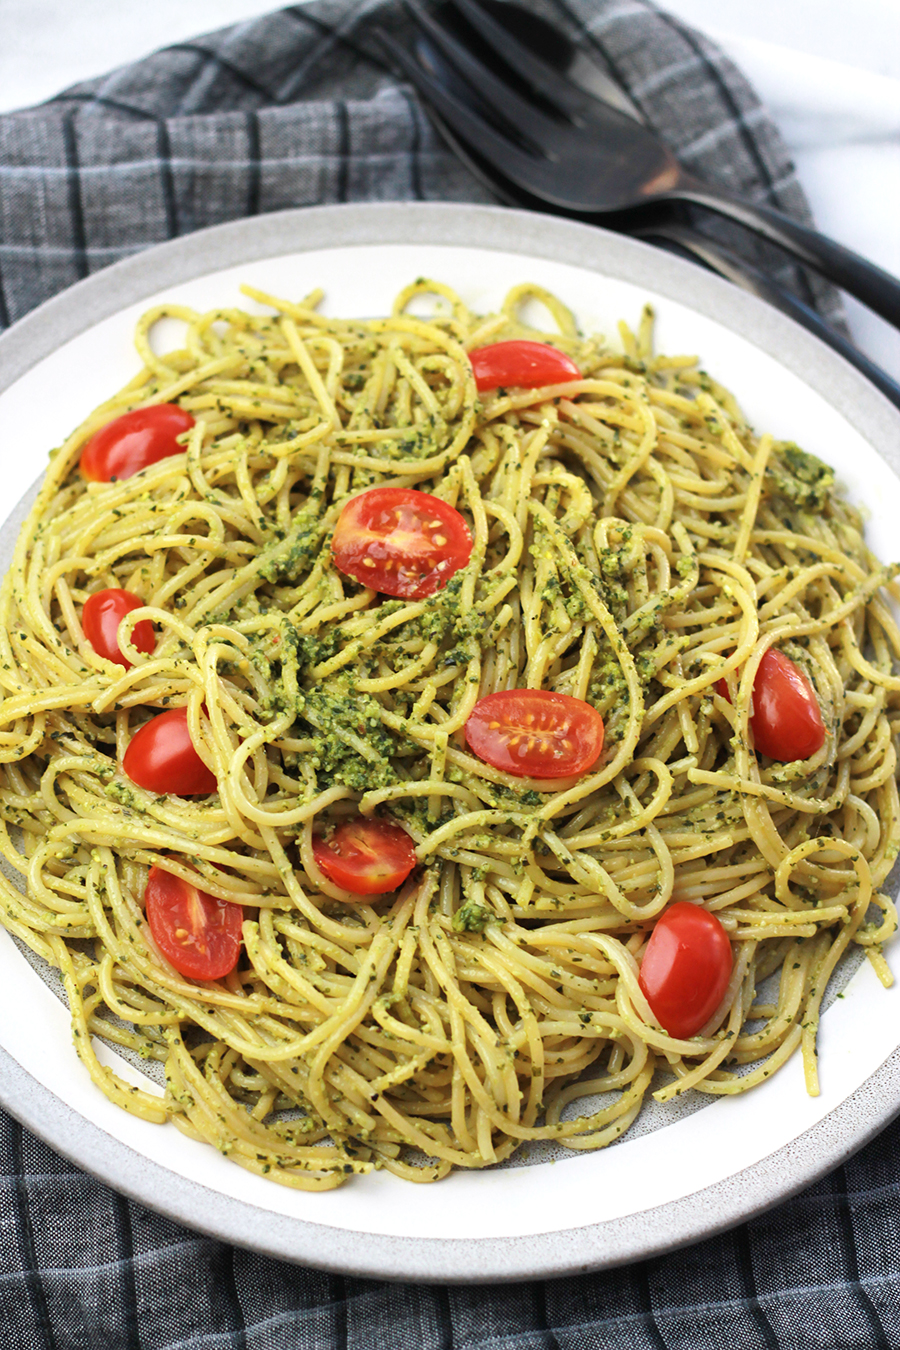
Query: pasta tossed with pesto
x=627, y=542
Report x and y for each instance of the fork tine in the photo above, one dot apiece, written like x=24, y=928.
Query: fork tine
x=505, y=191
x=519, y=115
x=559, y=92
x=521, y=168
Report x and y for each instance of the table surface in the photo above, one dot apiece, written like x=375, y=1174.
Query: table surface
x=829, y=73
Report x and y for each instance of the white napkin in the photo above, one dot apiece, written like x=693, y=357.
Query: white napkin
x=842, y=126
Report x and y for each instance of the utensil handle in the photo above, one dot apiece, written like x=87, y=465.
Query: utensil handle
x=741, y=273
x=802, y=314
x=870, y=284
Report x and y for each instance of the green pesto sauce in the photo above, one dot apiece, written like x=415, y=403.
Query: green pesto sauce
x=343, y=722
x=472, y=918
x=798, y=477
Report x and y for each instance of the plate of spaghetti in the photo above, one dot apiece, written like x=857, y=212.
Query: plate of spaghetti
x=448, y=742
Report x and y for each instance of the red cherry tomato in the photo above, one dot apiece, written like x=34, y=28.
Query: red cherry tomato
x=686, y=968
x=535, y=733
x=133, y=441
x=400, y=542
x=367, y=857
x=521, y=364
x=199, y=933
x=161, y=758
x=786, y=721
x=100, y=618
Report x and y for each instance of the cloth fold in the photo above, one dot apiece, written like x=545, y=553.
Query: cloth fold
x=298, y=108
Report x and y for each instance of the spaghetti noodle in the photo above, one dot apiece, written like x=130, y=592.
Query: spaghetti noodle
x=634, y=544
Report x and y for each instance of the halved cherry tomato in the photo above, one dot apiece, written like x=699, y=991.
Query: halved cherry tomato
x=133, y=441
x=367, y=857
x=400, y=542
x=786, y=721
x=686, y=968
x=199, y=933
x=161, y=758
x=100, y=618
x=521, y=364
x=535, y=733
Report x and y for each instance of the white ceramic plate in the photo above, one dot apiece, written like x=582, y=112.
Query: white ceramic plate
x=704, y=1171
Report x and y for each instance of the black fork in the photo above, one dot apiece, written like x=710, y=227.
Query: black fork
x=588, y=160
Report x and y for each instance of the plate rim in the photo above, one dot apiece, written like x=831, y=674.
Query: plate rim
x=641, y=1234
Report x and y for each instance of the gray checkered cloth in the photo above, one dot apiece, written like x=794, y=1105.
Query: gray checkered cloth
x=296, y=109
